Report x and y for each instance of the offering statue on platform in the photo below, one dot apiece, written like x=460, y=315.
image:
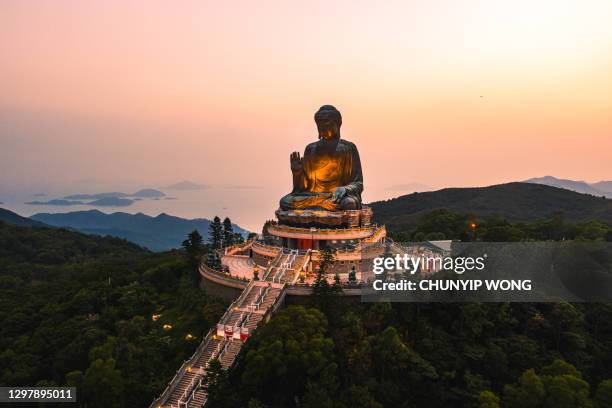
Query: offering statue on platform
x=328, y=176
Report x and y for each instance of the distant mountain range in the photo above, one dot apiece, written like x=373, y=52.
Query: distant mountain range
x=159, y=233
x=514, y=201
x=602, y=188
x=156, y=233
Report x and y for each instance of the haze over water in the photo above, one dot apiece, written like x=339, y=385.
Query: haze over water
x=248, y=207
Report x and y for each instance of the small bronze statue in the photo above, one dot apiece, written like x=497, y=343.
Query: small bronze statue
x=328, y=176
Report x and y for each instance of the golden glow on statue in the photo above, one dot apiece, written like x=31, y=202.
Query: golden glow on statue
x=328, y=176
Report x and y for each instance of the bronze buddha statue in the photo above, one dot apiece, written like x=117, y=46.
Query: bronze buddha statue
x=328, y=176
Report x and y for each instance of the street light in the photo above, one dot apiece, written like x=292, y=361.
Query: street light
x=256, y=272
x=473, y=226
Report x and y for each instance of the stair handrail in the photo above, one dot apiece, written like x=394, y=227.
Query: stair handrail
x=251, y=306
x=277, y=278
x=192, y=388
x=243, y=317
x=236, y=302
x=181, y=371
x=159, y=399
x=193, y=391
x=199, y=375
x=273, y=264
x=246, y=320
x=262, y=294
x=245, y=293
x=213, y=355
x=271, y=309
x=187, y=390
x=222, y=353
x=262, y=297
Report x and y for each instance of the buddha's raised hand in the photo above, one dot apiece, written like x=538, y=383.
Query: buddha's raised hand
x=296, y=162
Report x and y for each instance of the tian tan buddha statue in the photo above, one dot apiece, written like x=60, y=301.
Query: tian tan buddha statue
x=328, y=176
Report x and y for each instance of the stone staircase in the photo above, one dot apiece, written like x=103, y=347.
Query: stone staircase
x=269, y=298
x=182, y=386
x=198, y=400
x=256, y=303
x=251, y=296
x=229, y=353
x=286, y=266
x=253, y=320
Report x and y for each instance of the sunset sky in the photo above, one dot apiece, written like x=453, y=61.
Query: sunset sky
x=444, y=93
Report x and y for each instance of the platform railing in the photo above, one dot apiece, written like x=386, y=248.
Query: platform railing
x=331, y=231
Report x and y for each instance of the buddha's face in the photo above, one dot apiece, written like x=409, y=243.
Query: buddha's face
x=328, y=127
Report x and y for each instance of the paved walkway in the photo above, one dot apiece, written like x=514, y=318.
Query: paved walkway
x=240, y=266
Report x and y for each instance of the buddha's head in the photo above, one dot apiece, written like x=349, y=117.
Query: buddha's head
x=328, y=121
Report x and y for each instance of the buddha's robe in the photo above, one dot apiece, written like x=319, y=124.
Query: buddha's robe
x=325, y=167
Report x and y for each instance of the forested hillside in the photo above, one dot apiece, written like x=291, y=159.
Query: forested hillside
x=426, y=355
x=15, y=219
x=517, y=202
x=77, y=310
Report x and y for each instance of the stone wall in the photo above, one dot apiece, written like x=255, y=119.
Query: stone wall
x=215, y=289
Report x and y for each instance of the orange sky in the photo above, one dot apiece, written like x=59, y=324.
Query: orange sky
x=153, y=92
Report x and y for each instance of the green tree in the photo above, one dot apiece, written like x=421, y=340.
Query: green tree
x=215, y=235
x=238, y=238
x=75, y=379
x=290, y=356
x=504, y=233
x=603, y=396
x=193, y=247
x=560, y=384
x=529, y=393
x=327, y=260
x=102, y=384
x=228, y=232
x=488, y=399
x=324, y=294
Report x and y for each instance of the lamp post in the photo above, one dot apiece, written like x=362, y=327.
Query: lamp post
x=255, y=272
x=473, y=227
